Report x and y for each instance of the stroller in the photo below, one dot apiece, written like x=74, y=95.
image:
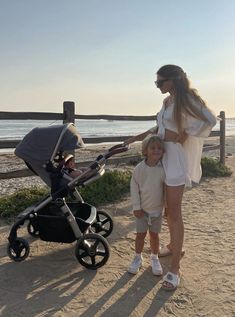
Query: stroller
x=62, y=216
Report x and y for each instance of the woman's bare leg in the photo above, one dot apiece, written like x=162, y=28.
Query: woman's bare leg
x=168, y=224
x=174, y=195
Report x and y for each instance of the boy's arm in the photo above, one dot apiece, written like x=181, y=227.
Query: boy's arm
x=135, y=198
x=135, y=194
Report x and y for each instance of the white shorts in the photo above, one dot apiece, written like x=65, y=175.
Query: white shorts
x=174, y=164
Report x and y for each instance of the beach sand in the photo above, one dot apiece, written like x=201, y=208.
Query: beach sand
x=52, y=283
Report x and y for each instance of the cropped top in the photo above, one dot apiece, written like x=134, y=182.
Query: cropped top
x=191, y=125
x=190, y=152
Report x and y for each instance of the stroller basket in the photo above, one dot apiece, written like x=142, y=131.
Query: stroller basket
x=52, y=225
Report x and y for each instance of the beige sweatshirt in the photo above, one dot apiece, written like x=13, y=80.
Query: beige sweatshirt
x=147, y=188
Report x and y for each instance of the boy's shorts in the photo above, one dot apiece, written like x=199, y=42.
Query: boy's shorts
x=146, y=223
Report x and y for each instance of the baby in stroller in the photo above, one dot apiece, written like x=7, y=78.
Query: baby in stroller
x=69, y=166
x=62, y=216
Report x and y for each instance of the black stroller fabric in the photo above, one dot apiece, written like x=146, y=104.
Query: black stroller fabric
x=52, y=225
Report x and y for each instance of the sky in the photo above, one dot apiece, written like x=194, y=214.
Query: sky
x=104, y=54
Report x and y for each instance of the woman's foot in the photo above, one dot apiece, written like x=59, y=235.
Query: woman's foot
x=170, y=281
x=166, y=250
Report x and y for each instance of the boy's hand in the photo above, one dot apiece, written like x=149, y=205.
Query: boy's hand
x=138, y=213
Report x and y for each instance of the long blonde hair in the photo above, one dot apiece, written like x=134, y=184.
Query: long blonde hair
x=183, y=92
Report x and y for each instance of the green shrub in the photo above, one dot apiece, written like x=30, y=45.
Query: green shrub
x=12, y=205
x=108, y=188
x=213, y=168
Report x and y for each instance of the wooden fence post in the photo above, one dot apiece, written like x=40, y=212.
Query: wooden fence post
x=69, y=112
x=222, y=137
x=69, y=116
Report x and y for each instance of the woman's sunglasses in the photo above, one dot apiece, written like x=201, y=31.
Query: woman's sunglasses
x=160, y=82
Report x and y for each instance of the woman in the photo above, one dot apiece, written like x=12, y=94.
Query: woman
x=183, y=121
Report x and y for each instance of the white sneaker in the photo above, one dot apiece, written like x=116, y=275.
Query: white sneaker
x=156, y=266
x=135, y=265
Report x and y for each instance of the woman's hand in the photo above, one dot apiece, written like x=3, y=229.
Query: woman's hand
x=138, y=213
x=183, y=137
x=171, y=136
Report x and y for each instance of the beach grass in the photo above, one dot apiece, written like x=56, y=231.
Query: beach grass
x=112, y=186
x=211, y=167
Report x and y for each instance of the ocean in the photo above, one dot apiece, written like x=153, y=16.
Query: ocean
x=16, y=129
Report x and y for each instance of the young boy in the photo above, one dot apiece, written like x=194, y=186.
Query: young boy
x=147, y=195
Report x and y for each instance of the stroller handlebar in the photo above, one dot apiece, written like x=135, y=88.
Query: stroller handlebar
x=99, y=163
x=116, y=149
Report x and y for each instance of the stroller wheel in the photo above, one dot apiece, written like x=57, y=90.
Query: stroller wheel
x=92, y=251
x=32, y=230
x=103, y=224
x=19, y=250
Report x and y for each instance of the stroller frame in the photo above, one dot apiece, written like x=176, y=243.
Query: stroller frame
x=92, y=249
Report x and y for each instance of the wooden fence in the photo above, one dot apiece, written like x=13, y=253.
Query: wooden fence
x=69, y=115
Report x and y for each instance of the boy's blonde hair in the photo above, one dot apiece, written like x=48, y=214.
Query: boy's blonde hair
x=152, y=138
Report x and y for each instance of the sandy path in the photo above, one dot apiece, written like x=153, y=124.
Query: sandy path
x=52, y=283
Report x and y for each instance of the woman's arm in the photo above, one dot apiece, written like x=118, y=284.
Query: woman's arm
x=171, y=136
x=135, y=138
x=201, y=125
x=140, y=137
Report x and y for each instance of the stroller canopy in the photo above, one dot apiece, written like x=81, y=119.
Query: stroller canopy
x=42, y=144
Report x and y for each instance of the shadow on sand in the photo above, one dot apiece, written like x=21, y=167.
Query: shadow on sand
x=41, y=284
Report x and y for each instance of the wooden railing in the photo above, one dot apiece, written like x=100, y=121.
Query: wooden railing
x=69, y=115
